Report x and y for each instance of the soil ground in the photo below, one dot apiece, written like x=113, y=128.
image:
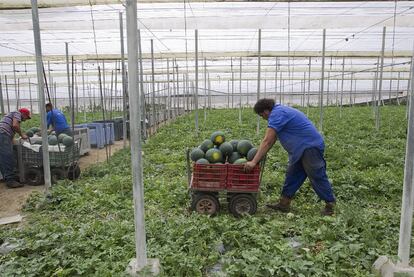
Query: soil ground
x=12, y=200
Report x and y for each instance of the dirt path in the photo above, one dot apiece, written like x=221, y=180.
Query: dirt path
x=12, y=200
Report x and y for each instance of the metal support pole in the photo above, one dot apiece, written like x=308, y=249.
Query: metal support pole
x=83, y=91
x=196, y=79
x=232, y=83
x=322, y=82
x=303, y=89
x=398, y=88
x=141, y=88
x=168, y=91
x=41, y=96
x=342, y=87
x=18, y=94
x=15, y=86
x=154, y=122
x=275, y=78
x=136, y=149
x=328, y=88
x=205, y=89
x=377, y=119
x=309, y=83
x=375, y=89
x=228, y=94
x=72, y=107
x=259, y=57
x=351, y=89
x=1, y=99
x=30, y=95
x=68, y=71
x=7, y=93
x=408, y=189
x=240, y=92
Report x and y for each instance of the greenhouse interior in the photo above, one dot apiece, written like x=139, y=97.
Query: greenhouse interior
x=170, y=165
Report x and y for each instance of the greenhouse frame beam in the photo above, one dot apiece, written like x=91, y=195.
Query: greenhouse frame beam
x=22, y=4
x=247, y=69
x=253, y=54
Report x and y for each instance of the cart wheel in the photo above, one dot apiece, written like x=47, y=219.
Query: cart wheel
x=34, y=177
x=205, y=204
x=57, y=174
x=242, y=204
x=74, y=172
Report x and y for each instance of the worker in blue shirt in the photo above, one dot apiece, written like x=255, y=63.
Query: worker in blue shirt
x=56, y=119
x=305, y=146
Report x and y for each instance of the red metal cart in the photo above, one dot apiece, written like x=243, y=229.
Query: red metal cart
x=208, y=182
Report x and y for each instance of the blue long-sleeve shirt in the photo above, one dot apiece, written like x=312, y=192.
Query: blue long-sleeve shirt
x=57, y=119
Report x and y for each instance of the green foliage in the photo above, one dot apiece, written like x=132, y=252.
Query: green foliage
x=86, y=228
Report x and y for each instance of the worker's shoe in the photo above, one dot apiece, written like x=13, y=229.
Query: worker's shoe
x=329, y=209
x=14, y=184
x=282, y=206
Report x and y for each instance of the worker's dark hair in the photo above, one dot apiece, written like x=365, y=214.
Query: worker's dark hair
x=49, y=105
x=263, y=105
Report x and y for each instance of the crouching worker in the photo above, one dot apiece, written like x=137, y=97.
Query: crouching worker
x=9, y=126
x=56, y=121
x=305, y=146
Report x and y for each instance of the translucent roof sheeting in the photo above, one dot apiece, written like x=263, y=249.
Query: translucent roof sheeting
x=223, y=27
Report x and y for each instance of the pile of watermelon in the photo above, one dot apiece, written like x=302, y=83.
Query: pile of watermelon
x=52, y=138
x=217, y=150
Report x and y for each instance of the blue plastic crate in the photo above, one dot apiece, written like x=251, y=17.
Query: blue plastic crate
x=96, y=133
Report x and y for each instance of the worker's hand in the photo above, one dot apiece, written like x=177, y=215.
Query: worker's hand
x=249, y=166
x=24, y=136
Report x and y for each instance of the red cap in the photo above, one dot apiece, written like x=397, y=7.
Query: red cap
x=25, y=111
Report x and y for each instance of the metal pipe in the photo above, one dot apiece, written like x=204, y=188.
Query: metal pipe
x=15, y=85
x=240, y=92
x=232, y=83
x=41, y=96
x=408, y=187
x=154, y=122
x=141, y=88
x=322, y=82
x=67, y=70
x=259, y=57
x=205, y=89
x=168, y=91
x=7, y=93
x=135, y=116
x=1, y=99
x=275, y=77
x=196, y=79
x=83, y=90
x=377, y=119
x=30, y=96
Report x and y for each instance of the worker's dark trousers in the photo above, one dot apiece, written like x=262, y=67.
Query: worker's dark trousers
x=7, y=161
x=312, y=165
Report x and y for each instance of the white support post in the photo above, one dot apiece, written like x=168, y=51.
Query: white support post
x=383, y=265
x=322, y=82
x=196, y=79
x=259, y=57
x=41, y=96
x=140, y=262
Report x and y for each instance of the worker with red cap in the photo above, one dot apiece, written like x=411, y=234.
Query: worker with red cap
x=9, y=126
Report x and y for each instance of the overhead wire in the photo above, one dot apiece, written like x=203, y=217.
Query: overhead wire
x=367, y=28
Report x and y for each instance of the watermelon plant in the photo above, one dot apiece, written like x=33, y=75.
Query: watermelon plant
x=86, y=228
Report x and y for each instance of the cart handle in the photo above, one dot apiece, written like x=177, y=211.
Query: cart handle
x=262, y=165
x=188, y=167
